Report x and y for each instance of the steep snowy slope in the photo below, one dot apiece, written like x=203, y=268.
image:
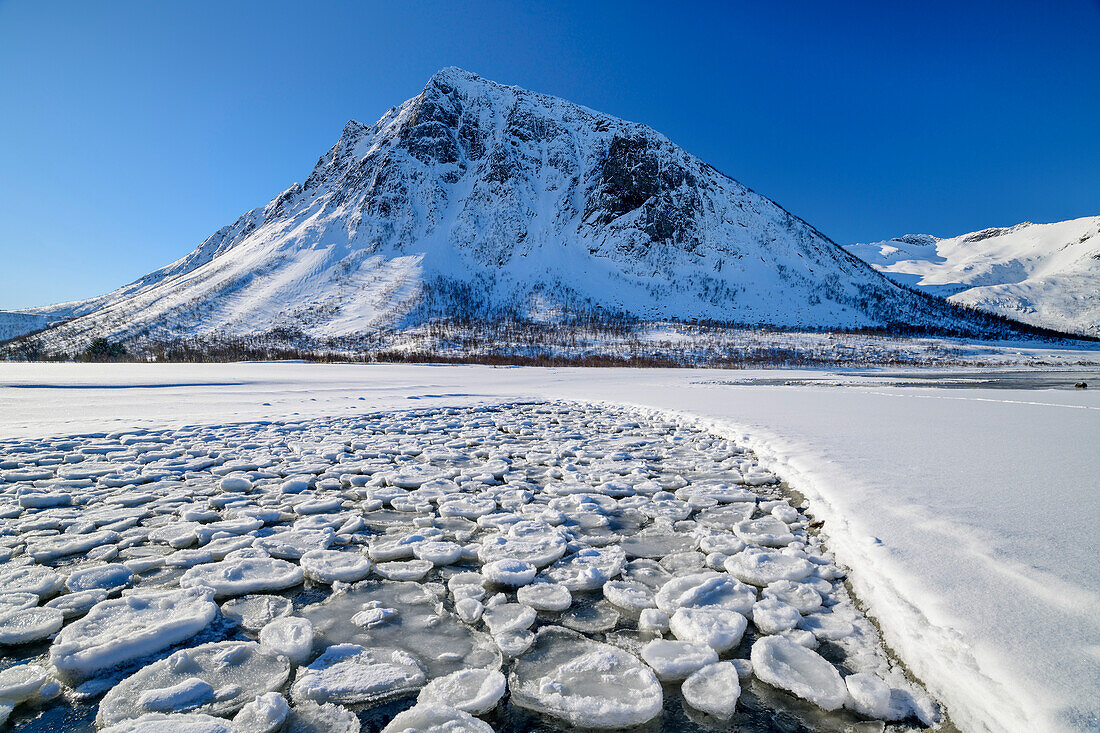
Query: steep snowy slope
x=475, y=200
x=17, y=323
x=1044, y=274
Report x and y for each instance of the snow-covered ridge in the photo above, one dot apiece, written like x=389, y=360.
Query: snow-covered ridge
x=475, y=200
x=1043, y=274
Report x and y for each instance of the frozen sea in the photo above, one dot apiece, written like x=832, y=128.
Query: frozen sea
x=962, y=505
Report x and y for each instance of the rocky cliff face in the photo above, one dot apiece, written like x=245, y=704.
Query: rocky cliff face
x=475, y=200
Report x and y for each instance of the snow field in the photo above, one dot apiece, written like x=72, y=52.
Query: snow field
x=579, y=564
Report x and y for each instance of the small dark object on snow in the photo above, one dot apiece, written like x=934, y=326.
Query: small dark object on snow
x=816, y=524
x=1082, y=385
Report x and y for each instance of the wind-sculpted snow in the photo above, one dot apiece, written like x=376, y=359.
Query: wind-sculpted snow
x=502, y=568
x=479, y=201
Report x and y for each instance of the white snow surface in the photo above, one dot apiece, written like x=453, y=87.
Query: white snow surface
x=967, y=516
x=1042, y=274
x=476, y=198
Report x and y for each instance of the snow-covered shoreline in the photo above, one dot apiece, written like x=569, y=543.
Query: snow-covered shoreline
x=982, y=502
x=982, y=684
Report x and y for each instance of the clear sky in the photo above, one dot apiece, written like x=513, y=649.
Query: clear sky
x=131, y=130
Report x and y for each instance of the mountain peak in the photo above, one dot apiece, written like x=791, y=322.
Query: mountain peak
x=454, y=74
x=479, y=201
x=451, y=78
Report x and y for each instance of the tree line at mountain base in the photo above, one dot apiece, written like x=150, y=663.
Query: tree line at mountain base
x=516, y=341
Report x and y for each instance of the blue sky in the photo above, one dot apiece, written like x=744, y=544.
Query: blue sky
x=129, y=131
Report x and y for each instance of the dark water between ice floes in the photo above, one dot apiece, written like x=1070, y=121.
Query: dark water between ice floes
x=760, y=708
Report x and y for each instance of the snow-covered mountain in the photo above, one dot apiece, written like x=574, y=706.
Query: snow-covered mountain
x=17, y=323
x=475, y=200
x=1044, y=274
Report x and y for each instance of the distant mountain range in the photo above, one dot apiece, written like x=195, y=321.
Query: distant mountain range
x=475, y=201
x=1043, y=274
